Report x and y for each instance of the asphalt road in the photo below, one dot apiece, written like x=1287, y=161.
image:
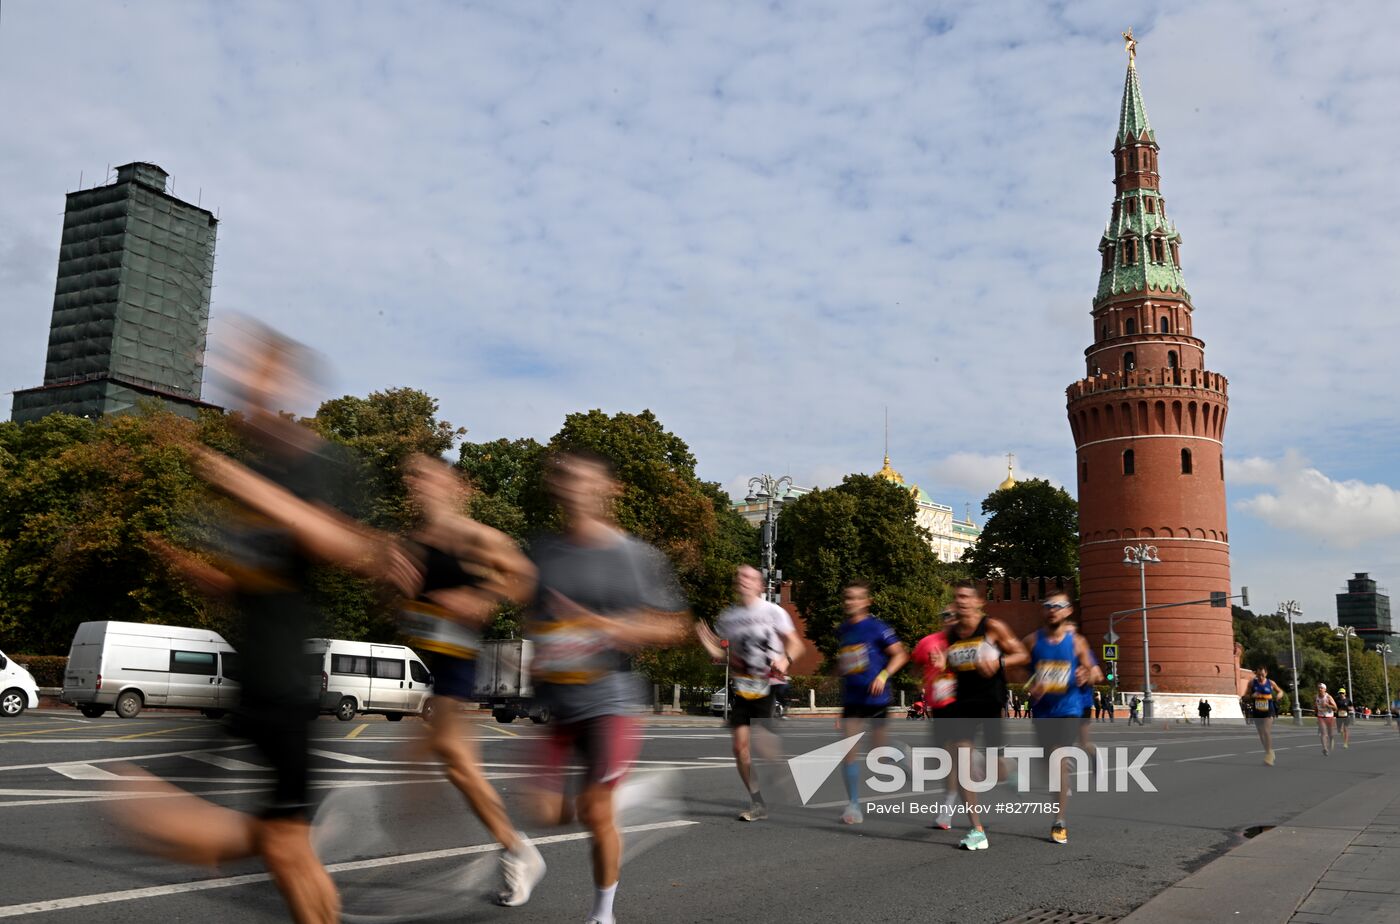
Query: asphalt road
x=408, y=849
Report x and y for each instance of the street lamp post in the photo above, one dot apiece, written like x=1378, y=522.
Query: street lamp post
x=773, y=492
x=1384, y=651
x=1141, y=556
x=1346, y=634
x=1290, y=609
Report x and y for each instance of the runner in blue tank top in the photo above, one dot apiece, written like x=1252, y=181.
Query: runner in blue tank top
x=1061, y=668
x=869, y=655
x=1261, y=699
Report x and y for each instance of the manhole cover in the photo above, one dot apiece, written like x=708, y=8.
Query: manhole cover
x=1052, y=916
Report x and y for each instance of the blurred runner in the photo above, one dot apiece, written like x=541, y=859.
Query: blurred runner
x=762, y=641
x=601, y=594
x=1325, y=707
x=980, y=649
x=1262, y=695
x=940, y=692
x=1062, y=668
x=468, y=570
x=868, y=654
x=1344, y=711
x=288, y=517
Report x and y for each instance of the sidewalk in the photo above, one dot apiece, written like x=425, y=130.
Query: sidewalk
x=1336, y=863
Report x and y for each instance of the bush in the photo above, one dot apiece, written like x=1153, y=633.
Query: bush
x=47, y=669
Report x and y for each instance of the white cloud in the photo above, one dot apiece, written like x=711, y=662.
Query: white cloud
x=1301, y=498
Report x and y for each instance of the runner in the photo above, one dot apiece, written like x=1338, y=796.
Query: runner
x=287, y=517
x=1344, y=710
x=940, y=691
x=1325, y=708
x=1062, y=668
x=762, y=642
x=601, y=594
x=1262, y=695
x=979, y=651
x=468, y=571
x=868, y=655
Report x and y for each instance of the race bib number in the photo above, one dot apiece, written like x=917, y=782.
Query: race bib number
x=1053, y=676
x=751, y=687
x=432, y=632
x=853, y=659
x=962, y=656
x=944, y=689
x=565, y=654
x=1263, y=703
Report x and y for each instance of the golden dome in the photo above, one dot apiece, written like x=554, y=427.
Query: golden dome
x=889, y=474
x=1010, y=481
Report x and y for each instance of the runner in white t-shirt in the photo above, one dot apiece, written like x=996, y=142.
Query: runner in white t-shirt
x=762, y=642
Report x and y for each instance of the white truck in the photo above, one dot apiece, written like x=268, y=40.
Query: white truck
x=503, y=681
x=126, y=666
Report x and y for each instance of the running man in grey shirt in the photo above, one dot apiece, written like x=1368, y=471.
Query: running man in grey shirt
x=601, y=595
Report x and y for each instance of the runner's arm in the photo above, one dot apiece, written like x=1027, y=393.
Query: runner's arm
x=1013, y=653
x=209, y=580
x=792, y=649
x=1086, y=662
x=898, y=658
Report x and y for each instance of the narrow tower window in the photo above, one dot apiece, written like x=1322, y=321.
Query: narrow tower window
x=1105, y=333
x=1185, y=461
x=1171, y=359
x=1151, y=206
x=1129, y=363
x=1129, y=465
x=1130, y=326
x=1165, y=325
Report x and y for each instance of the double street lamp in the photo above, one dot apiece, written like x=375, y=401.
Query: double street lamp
x=773, y=492
x=1384, y=651
x=1290, y=608
x=1346, y=634
x=1142, y=556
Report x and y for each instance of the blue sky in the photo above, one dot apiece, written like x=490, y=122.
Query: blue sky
x=766, y=222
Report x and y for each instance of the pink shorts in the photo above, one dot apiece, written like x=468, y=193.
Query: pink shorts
x=606, y=746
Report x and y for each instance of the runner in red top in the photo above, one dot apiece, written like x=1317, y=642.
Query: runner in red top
x=940, y=690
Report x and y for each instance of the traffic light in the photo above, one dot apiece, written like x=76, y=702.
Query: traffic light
x=1110, y=671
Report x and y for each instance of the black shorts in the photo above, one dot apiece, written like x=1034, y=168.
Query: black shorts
x=743, y=711
x=1087, y=715
x=942, y=726
x=863, y=711
x=283, y=738
x=969, y=719
x=452, y=677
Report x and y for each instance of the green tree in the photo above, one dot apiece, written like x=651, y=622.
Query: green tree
x=384, y=429
x=1032, y=531
x=864, y=528
x=506, y=475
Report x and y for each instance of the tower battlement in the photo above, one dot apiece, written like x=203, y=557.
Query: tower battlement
x=1174, y=379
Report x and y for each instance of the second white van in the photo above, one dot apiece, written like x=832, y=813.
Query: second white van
x=364, y=677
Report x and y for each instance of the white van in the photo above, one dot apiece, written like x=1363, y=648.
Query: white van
x=18, y=691
x=365, y=677
x=127, y=666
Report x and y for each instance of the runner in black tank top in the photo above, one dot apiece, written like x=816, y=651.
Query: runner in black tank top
x=979, y=651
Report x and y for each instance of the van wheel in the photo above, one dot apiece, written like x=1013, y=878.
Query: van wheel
x=129, y=704
x=504, y=716
x=540, y=716
x=394, y=716
x=213, y=713
x=345, y=709
x=93, y=712
x=12, y=703
x=427, y=714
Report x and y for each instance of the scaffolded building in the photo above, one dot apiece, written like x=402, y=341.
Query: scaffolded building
x=131, y=305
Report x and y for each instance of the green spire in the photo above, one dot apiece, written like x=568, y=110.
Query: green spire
x=1132, y=118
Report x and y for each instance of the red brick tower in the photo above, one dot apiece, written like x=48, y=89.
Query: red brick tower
x=1148, y=422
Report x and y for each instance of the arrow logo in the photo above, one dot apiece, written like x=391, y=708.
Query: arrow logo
x=811, y=770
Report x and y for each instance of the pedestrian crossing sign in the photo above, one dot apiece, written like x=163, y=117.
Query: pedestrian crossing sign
x=1110, y=652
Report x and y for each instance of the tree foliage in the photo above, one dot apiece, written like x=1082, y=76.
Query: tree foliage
x=1032, y=530
x=1321, y=657
x=864, y=528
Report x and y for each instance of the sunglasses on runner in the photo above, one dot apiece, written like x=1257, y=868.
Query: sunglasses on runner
x=1055, y=606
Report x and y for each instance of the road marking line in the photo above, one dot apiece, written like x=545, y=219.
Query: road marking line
x=226, y=763
x=84, y=772
x=1187, y=760
x=124, y=758
x=204, y=885
x=158, y=731
x=42, y=731
x=345, y=758
x=504, y=731
x=355, y=732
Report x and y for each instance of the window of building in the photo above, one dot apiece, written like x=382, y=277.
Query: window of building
x=1104, y=335
x=1176, y=255
x=1132, y=206
x=1222, y=468
x=1171, y=359
x=1151, y=207
x=1185, y=461
x=1108, y=258
x=1129, y=463
x=1165, y=325
x=1130, y=326
x=1129, y=361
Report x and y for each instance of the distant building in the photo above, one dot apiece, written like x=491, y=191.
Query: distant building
x=131, y=304
x=1366, y=608
x=948, y=537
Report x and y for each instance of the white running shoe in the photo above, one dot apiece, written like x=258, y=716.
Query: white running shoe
x=522, y=868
